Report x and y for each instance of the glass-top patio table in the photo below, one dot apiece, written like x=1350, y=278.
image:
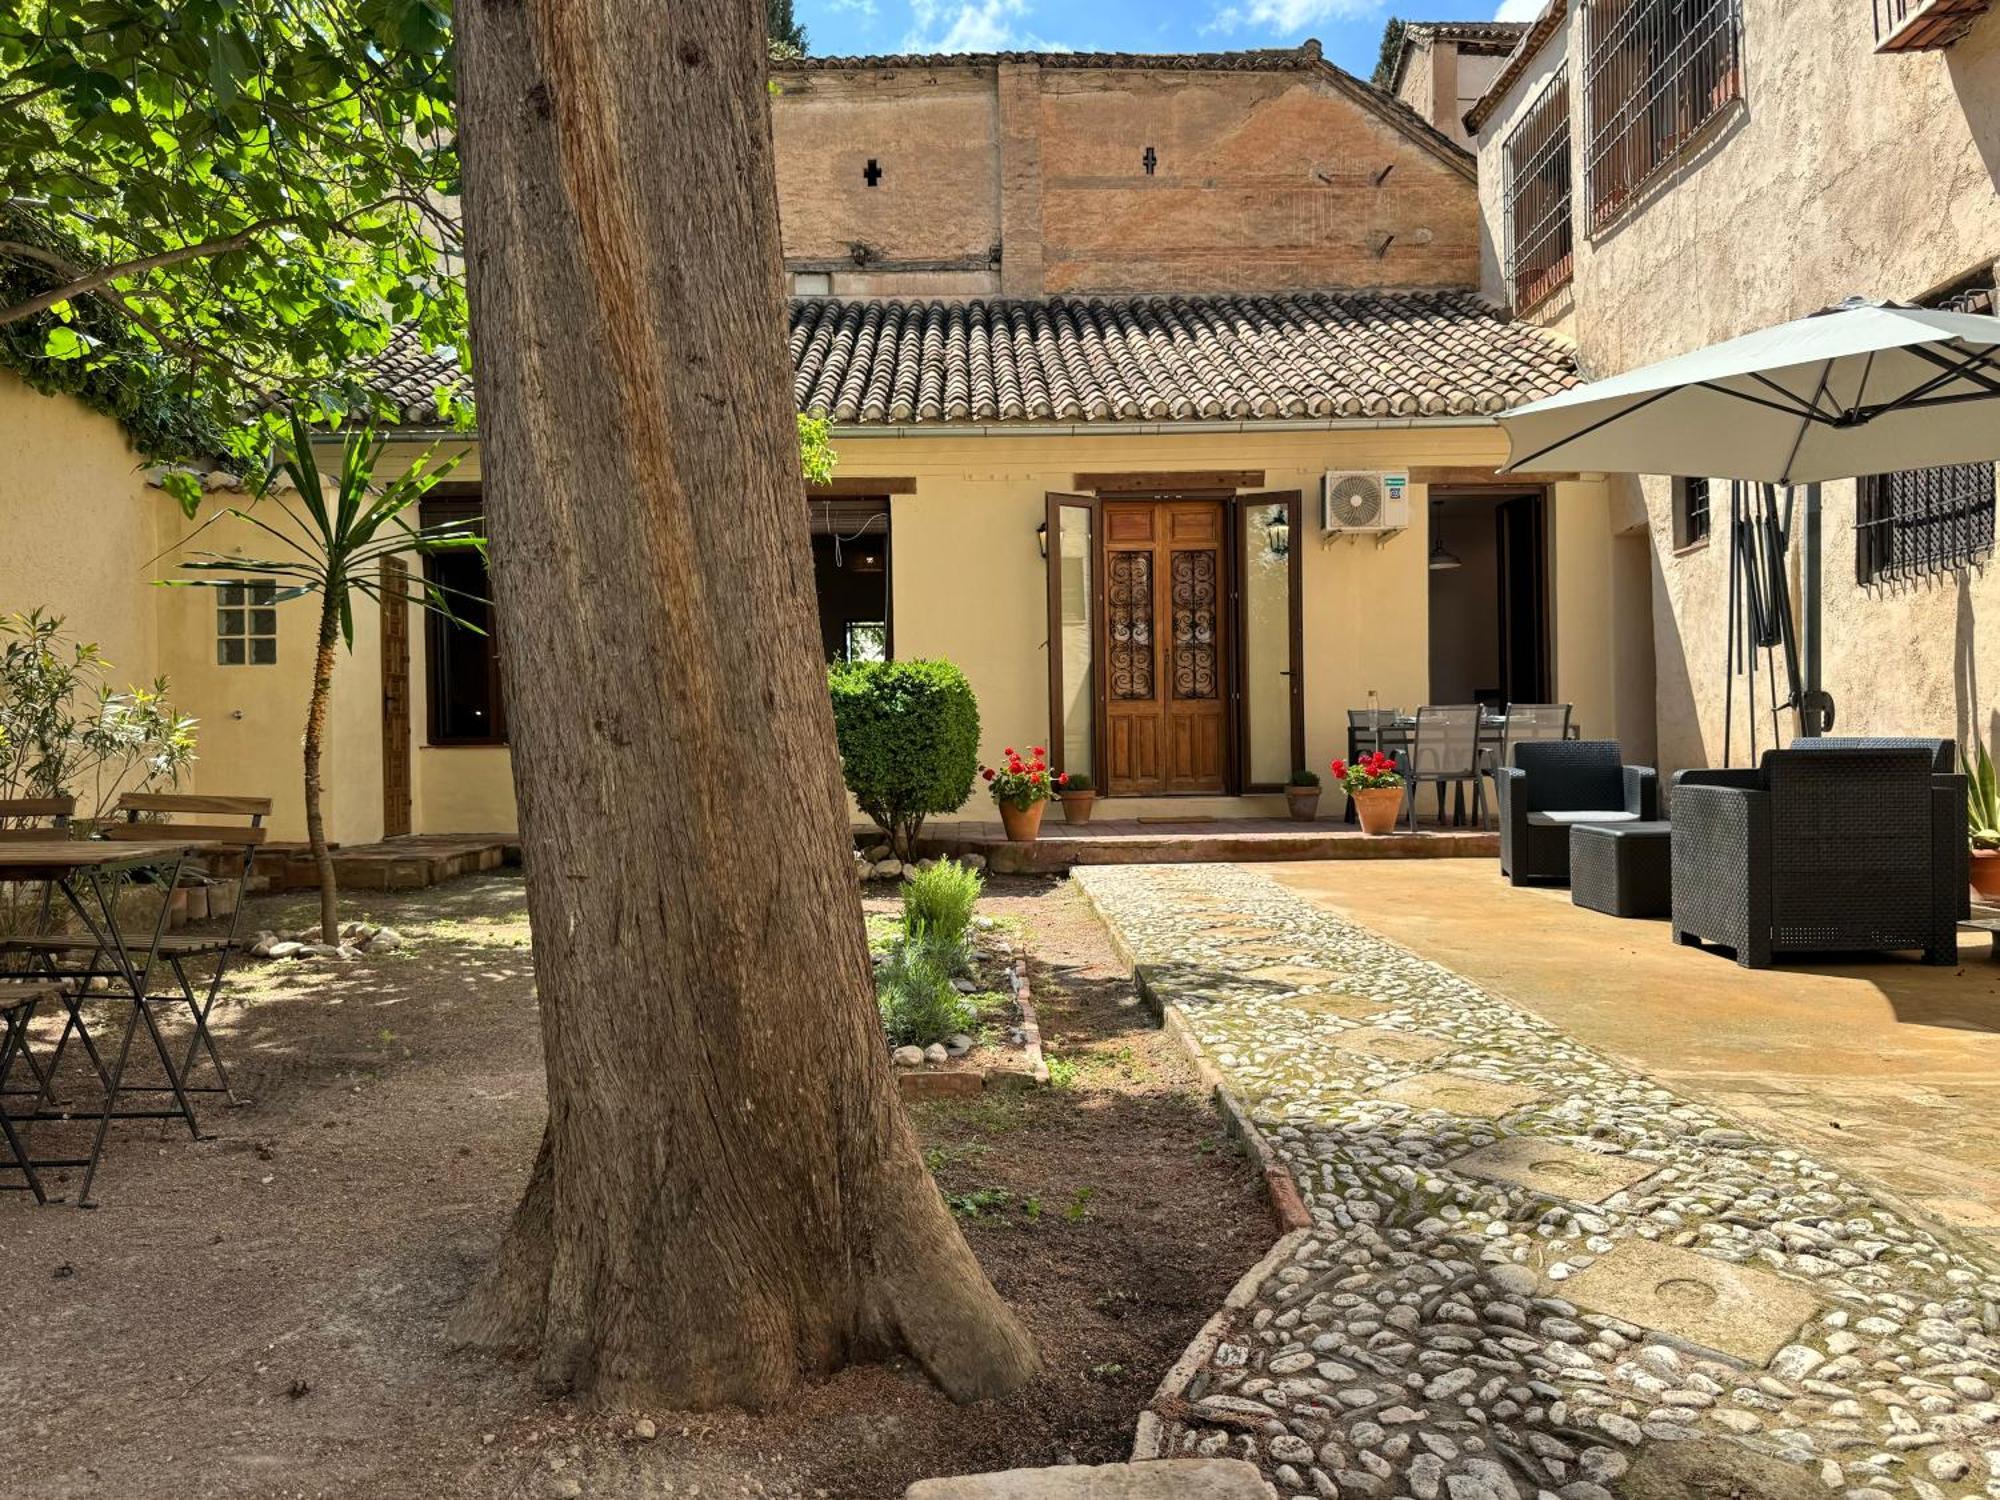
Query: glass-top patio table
x=88, y=874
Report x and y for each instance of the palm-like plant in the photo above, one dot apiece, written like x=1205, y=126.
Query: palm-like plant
x=1982, y=799
x=348, y=523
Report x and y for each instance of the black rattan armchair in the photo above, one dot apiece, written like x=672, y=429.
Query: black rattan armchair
x=1830, y=846
x=1552, y=786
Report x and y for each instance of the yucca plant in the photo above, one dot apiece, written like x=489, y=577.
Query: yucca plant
x=345, y=524
x=1982, y=800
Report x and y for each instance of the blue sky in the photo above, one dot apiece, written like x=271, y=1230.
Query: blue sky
x=1350, y=30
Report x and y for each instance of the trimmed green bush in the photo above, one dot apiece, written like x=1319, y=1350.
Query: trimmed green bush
x=914, y=992
x=939, y=901
x=909, y=741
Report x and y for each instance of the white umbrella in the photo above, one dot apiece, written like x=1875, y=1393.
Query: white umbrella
x=1861, y=388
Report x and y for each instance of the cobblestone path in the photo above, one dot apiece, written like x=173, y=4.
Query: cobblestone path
x=1530, y=1272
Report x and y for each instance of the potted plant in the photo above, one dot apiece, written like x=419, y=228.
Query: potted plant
x=1302, y=795
x=1376, y=788
x=1982, y=817
x=1020, y=789
x=1078, y=796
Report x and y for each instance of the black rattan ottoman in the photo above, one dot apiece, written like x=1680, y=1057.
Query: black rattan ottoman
x=1623, y=869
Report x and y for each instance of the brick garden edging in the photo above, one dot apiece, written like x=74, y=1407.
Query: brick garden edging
x=1287, y=1207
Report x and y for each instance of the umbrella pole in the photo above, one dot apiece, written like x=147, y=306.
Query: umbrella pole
x=1815, y=708
x=1729, y=653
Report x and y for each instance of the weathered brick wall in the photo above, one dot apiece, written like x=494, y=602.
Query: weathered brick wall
x=1262, y=180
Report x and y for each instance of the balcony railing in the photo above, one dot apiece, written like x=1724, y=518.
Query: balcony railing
x=1922, y=25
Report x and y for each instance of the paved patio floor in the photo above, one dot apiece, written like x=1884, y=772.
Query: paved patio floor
x=1540, y=1258
x=1885, y=1067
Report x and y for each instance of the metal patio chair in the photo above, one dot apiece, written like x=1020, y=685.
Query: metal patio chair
x=57, y=955
x=1444, y=748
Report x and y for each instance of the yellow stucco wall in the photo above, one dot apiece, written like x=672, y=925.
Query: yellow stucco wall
x=83, y=535
x=78, y=523
x=967, y=582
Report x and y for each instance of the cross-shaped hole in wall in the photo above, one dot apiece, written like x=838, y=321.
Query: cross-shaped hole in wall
x=1150, y=160
x=872, y=173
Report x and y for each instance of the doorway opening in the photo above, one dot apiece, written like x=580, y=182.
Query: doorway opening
x=850, y=543
x=1175, y=634
x=1489, y=597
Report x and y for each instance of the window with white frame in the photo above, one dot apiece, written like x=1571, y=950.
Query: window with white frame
x=246, y=624
x=1537, y=219
x=1657, y=71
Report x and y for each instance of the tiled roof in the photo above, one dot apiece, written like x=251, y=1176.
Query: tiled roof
x=1262, y=60
x=1539, y=31
x=1132, y=359
x=1306, y=57
x=1502, y=34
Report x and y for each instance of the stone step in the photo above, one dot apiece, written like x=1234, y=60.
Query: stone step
x=1156, y=1479
x=1062, y=847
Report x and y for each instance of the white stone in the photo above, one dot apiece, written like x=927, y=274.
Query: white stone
x=908, y=1057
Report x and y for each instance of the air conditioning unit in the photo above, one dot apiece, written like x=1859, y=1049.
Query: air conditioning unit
x=1352, y=503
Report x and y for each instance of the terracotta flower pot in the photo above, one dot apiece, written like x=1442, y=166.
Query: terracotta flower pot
x=1302, y=802
x=1986, y=875
x=1077, y=806
x=1023, y=823
x=1377, y=807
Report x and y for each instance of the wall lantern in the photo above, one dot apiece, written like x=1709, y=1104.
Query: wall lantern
x=1278, y=531
x=1042, y=540
x=1442, y=559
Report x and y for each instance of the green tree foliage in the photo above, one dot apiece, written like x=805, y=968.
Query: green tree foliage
x=909, y=741
x=202, y=201
x=1385, y=62
x=782, y=29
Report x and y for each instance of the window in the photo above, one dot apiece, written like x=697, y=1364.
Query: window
x=1692, y=522
x=812, y=283
x=1537, y=155
x=1922, y=521
x=246, y=624
x=462, y=665
x=1657, y=72
x=851, y=561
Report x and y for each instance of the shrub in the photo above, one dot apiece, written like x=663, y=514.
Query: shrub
x=915, y=994
x=1303, y=777
x=63, y=729
x=939, y=901
x=1076, y=781
x=909, y=741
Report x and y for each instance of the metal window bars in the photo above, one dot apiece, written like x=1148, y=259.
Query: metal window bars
x=1537, y=218
x=1657, y=72
x=1921, y=522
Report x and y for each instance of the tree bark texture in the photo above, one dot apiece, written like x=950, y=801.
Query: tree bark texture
x=316, y=711
x=728, y=1198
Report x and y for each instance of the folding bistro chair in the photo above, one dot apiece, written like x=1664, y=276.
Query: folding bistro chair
x=1445, y=748
x=142, y=812
x=18, y=999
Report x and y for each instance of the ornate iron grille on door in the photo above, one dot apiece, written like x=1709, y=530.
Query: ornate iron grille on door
x=1193, y=582
x=1129, y=620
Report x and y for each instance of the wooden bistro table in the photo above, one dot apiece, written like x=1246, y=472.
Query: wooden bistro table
x=88, y=875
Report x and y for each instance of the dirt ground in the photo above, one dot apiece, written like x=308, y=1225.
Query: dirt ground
x=258, y=1314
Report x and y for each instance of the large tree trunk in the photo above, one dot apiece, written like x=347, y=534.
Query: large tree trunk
x=316, y=710
x=728, y=1198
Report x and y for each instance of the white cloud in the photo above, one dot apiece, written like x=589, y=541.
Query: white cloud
x=863, y=8
x=1518, y=10
x=1289, y=17
x=973, y=26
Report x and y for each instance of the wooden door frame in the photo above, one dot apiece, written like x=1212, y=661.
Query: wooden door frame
x=1055, y=502
x=1240, y=506
x=396, y=728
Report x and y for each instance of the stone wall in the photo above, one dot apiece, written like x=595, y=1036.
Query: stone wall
x=1840, y=172
x=1029, y=180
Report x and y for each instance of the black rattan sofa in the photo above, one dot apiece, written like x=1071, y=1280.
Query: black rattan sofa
x=1835, y=845
x=1552, y=786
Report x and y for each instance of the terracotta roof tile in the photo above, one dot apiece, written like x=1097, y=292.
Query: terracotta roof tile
x=1130, y=359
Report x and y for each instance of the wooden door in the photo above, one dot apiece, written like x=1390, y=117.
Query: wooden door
x=395, y=698
x=1164, y=648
